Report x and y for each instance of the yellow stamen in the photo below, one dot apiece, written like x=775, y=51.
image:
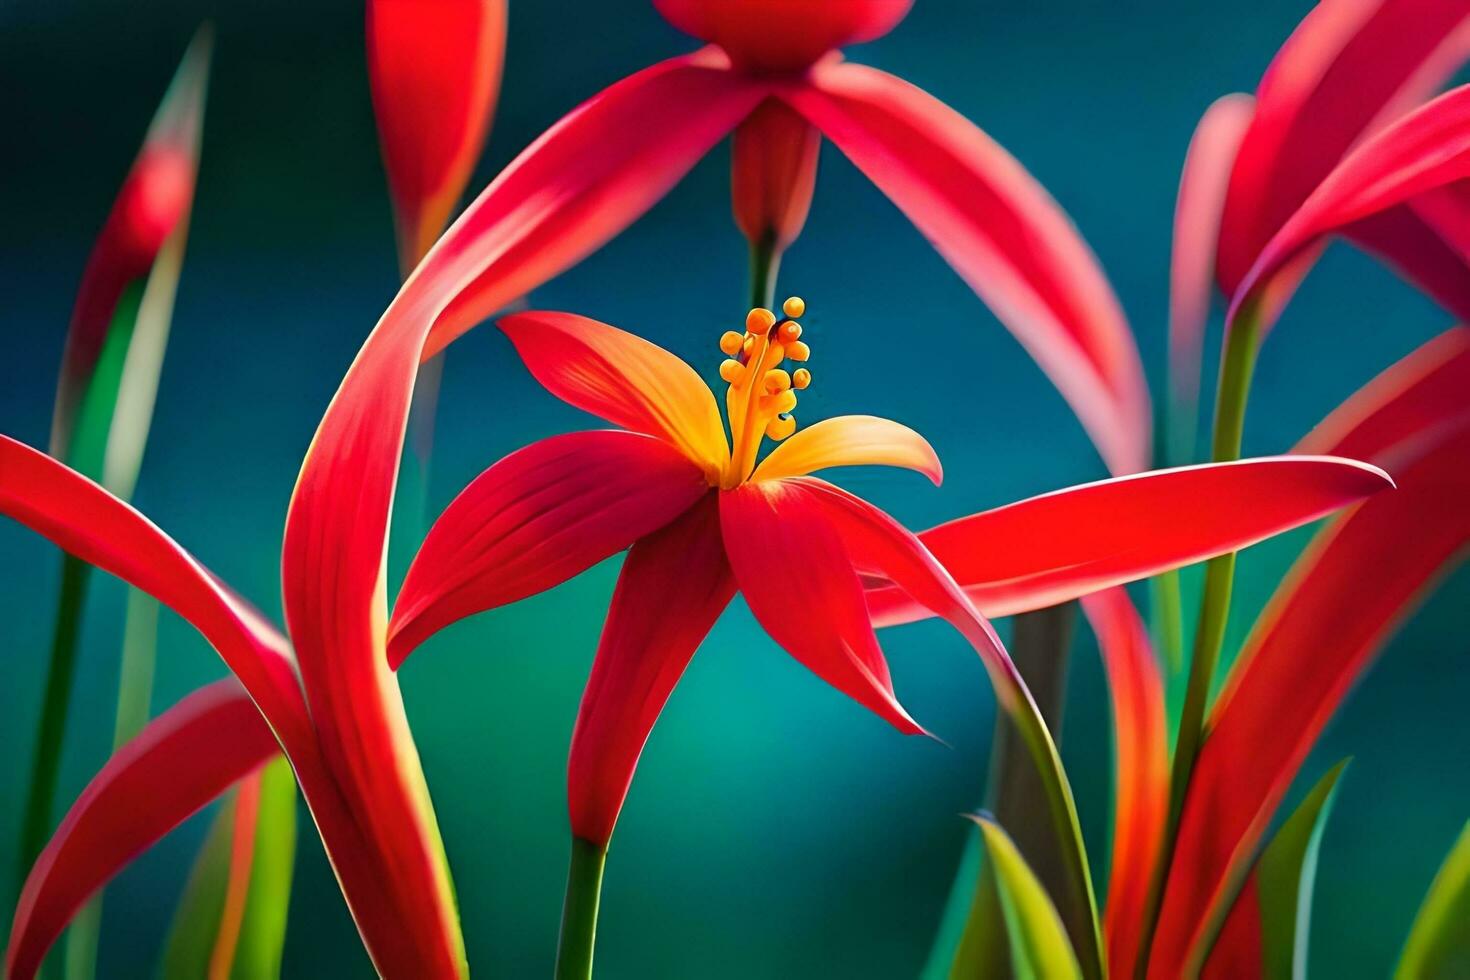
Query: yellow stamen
x=762, y=394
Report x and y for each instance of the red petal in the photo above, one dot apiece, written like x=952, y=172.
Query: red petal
x=795, y=574
x=1359, y=577
x=89, y=522
x=534, y=520
x=1002, y=233
x=876, y=544
x=575, y=187
x=1141, y=779
x=1067, y=543
x=179, y=762
x=778, y=35
x=82, y=518
x=1421, y=154
x=622, y=378
x=435, y=75
x=1238, y=951
x=1349, y=68
x=673, y=586
x=154, y=198
x=1197, y=213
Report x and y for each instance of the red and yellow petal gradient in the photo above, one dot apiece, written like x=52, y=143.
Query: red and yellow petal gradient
x=850, y=440
x=580, y=183
x=434, y=69
x=535, y=519
x=623, y=379
x=1141, y=771
x=673, y=586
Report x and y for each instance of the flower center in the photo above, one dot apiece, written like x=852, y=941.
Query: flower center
x=762, y=394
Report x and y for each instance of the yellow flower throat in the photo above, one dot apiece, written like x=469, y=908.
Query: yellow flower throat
x=762, y=394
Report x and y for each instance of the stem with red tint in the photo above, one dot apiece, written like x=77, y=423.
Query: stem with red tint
x=1236, y=367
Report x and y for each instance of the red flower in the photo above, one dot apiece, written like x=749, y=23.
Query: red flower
x=1349, y=70
x=704, y=519
x=435, y=75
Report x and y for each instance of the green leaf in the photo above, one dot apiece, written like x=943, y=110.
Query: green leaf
x=1439, y=941
x=1038, y=940
x=1285, y=876
x=196, y=923
x=200, y=936
x=263, y=930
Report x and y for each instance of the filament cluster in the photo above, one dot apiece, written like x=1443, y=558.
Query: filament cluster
x=762, y=394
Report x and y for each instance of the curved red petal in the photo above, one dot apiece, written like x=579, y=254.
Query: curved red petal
x=434, y=70
x=1420, y=155
x=1002, y=233
x=1141, y=774
x=673, y=586
x=154, y=199
x=180, y=761
x=623, y=379
x=535, y=519
x=1067, y=543
x=86, y=520
x=1350, y=67
x=796, y=576
x=1197, y=213
x=779, y=35
x=876, y=544
x=580, y=183
x=1357, y=579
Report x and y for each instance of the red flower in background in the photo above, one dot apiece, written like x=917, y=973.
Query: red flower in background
x=434, y=68
x=1350, y=69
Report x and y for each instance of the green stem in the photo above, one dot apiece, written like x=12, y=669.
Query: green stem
x=134, y=693
x=1169, y=618
x=579, y=911
x=1040, y=647
x=54, y=709
x=1235, y=379
x=765, y=262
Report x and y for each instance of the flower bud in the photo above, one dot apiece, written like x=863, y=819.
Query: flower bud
x=773, y=171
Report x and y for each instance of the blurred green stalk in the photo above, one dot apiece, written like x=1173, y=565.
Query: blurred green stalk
x=134, y=694
x=1242, y=336
x=1040, y=646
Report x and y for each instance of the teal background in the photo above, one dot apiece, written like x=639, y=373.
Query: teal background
x=774, y=829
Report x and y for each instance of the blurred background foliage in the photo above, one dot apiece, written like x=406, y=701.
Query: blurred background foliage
x=774, y=826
